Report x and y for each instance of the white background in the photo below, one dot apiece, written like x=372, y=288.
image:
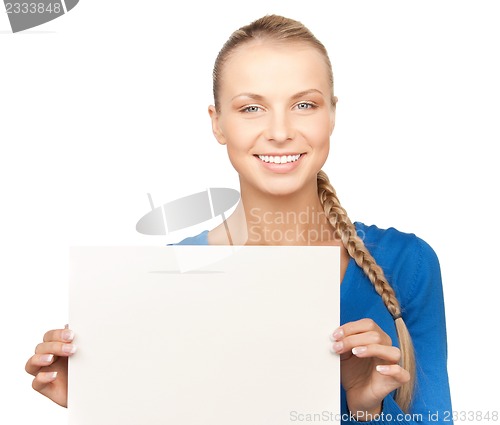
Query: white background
x=109, y=102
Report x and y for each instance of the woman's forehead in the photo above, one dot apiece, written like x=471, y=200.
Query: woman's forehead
x=262, y=66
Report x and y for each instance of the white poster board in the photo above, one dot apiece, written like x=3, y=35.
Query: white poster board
x=245, y=340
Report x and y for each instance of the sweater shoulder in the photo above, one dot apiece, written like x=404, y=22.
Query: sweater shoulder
x=404, y=257
x=388, y=242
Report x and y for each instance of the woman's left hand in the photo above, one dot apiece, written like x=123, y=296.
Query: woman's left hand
x=370, y=367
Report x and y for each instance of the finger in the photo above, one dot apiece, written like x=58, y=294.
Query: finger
x=42, y=380
x=400, y=375
x=358, y=327
x=38, y=361
x=56, y=348
x=384, y=352
x=347, y=343
x=61, y=335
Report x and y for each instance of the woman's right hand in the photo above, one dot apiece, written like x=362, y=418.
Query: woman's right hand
x=49, y=365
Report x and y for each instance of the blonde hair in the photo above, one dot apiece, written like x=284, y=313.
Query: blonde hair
x=280, y=29
x=269, y=28
x=346, y=231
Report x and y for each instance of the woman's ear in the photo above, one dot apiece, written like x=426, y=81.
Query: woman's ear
x=332, y=115
x=214, y=116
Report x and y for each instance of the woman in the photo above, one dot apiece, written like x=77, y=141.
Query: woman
x=274, y=110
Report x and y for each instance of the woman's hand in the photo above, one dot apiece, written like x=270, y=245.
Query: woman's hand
x=49, y=365
x=369, y=366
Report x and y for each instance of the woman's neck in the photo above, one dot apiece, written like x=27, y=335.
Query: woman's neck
x=263, y=219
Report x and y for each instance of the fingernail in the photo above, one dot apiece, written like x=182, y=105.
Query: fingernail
x=358, y=350
x=50, y=376
x=381, y=368
x=69, y=348
x=338, y=346
x=339, y=333
x=46, y=358
x=68, y=335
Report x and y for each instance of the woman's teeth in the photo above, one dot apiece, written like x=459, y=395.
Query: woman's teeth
x=279, y=159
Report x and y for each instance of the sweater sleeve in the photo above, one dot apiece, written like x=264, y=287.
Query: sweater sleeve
x=419, y=288
x=424, y=315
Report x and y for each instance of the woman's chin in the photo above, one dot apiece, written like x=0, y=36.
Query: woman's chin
x=281, y=190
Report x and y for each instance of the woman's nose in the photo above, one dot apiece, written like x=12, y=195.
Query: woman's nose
x=279, y=127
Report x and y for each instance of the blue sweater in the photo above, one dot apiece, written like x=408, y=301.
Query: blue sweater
x=412, y=268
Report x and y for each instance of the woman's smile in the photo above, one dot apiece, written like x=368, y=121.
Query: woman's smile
x=281, y=163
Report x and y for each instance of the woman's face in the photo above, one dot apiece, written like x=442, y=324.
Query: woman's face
x=275, y=115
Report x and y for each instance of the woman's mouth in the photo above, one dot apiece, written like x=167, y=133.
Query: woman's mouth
x=279, y=159
x=281, y=164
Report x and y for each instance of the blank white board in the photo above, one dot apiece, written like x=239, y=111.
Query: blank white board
x=244, y=340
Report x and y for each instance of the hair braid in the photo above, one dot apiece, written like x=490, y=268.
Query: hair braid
x=345, y=230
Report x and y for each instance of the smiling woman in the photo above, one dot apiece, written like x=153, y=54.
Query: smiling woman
x=295, y=111
x=274, y=111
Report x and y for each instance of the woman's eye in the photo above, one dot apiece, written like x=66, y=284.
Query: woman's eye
x=305, y=105
x=251, y=108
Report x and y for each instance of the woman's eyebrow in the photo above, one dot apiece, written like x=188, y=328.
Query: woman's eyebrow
x=295, y=96
x=250, y=95
x=305, y=93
